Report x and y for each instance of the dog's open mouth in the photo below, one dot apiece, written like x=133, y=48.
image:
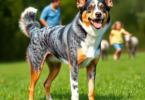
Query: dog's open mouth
x=97, y=23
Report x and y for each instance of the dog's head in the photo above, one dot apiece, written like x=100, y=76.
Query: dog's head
x=94, y=13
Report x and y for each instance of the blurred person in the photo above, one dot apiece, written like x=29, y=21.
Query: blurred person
x=50, y=15
x=116, y=38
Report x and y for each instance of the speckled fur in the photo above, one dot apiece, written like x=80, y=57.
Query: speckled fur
x=63, y=43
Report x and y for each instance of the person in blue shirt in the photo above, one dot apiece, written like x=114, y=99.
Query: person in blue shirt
x=50, y=15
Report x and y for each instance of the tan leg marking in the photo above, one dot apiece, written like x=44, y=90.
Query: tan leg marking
x=54, y=69
x=91, y=84
x=34, y=77
x=81, y=56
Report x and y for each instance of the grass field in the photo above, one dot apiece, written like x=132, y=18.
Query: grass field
x=123, y=80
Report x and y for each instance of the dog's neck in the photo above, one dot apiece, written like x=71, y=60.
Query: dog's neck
x=91, y=37
x=88, y=32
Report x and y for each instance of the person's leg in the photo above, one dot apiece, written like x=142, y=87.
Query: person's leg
x=117, y=52
x=120, y=50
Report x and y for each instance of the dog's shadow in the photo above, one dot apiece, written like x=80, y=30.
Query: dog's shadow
x=67, y=96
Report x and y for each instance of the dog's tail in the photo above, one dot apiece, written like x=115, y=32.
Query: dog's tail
x=27, y=21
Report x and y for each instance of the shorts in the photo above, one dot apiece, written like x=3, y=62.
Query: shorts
x=118, y=46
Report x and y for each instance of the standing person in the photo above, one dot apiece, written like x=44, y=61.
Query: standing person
x=116, y=38
x=50, y=15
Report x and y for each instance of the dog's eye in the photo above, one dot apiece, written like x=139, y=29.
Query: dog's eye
x=102, y=7
x=90, y=7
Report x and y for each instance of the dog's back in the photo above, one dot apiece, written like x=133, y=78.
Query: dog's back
x=77, y=44
x=55, y=40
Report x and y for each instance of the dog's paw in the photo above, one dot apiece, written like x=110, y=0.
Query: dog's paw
x=91, y=98
x=75, y=97
x=49, y=98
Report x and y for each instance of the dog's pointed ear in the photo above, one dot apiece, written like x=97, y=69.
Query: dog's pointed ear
x=109, y=3
x=80, y=3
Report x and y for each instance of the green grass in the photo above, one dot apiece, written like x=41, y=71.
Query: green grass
x=123, y=80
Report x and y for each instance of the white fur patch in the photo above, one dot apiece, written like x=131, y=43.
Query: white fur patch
x=92, y=41
x=28, y=10
x=22, y=24
x=75, y=94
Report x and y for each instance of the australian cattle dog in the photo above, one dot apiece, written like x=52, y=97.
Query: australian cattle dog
x=76, y=44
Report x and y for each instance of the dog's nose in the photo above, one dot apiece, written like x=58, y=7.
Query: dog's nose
x=98, y=14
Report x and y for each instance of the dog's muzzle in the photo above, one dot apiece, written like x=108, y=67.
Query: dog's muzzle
x=96, y=23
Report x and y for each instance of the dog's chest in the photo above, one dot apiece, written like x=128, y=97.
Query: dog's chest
x=91, y=50
x=90, y=56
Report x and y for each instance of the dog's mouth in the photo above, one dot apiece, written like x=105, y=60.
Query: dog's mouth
x=96, y=23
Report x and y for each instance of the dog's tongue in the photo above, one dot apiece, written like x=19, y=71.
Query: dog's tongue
x=97, y=25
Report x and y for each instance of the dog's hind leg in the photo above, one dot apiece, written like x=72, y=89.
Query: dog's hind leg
x=34, y=77
x=35, y=68
x=54, y=68
x=91, y=73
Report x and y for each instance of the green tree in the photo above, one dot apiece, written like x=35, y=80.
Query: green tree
x=14, y=44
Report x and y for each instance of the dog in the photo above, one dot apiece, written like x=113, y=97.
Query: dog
x=76, y=44
x=104, y=49
x=131, y=44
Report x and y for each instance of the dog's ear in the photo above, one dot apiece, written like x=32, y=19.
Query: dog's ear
x=80, y=3
x=109, y=3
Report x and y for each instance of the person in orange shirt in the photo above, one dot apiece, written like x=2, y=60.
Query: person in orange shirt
x=116, y=38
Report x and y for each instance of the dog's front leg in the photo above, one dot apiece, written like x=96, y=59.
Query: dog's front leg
x=91, y=73
x=74, y=82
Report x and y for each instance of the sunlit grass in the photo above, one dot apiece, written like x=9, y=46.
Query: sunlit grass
x=123, y=80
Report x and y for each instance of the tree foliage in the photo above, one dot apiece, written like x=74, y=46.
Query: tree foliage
x=14, y=44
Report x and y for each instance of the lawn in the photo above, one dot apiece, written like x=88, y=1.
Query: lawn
x=122, y=80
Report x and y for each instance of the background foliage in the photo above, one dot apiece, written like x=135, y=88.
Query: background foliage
x=13, y=43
